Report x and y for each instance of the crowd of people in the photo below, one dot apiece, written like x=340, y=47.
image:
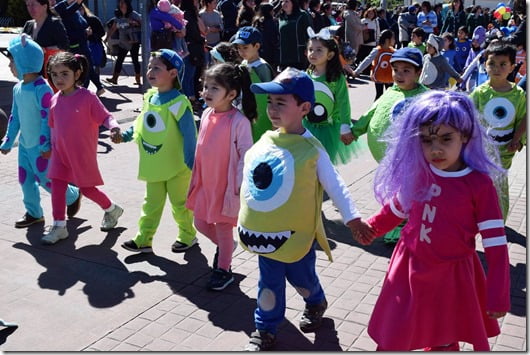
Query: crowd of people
x=269, y=81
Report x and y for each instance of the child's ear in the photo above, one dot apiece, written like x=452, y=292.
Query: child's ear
x=305, y=107
x=331, y=54
x=232, y=94
x=257, y=45
x=174, y=73
x=77, y=74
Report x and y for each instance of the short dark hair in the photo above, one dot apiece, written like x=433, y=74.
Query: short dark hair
x=420, y=32
x=451, y=39
x=501, y=48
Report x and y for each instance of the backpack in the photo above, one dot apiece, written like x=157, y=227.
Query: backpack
x=381, y=68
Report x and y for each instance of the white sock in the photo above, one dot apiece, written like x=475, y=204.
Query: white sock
x=59, y=223
x=112, y=207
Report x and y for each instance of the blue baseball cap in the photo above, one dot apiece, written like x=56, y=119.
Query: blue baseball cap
x=409, y=55
x=172, y=57
x=289, y=81
x=247, y=35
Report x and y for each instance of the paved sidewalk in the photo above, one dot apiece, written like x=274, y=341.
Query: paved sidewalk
x=87, y=293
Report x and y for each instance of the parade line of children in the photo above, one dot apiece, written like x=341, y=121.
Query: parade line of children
x=442, y=176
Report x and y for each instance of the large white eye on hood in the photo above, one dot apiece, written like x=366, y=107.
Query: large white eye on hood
x=153, y=122
x=268, y=182
x=499, y=112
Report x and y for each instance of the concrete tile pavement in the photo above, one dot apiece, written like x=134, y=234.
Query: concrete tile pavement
x=87, y=293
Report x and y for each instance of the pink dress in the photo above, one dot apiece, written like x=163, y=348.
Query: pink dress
x=222, y=141
x=74, y=122
x=435, y=291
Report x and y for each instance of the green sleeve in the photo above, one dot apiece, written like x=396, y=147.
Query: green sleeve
x=342, y=110
x=360, y=126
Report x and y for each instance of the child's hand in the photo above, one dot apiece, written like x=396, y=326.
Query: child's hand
x=5, y=151
x=347, y=138
x=362, y=232
x=46, y=155
x=495, y=315
x=514, y=145
x=115, y=135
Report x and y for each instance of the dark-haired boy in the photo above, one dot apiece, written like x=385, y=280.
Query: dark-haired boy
x=503, y=108
x=284, y=176
x=417, y=39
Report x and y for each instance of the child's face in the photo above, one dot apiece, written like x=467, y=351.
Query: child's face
x=317, y=53
x=461, y=35
x=499, y=67
x=431, y=50
x=13, y=67
x=216, y=95
x=285, y=112
x=416, y=39
x=405, y=75
x=248, y=51
x=442, y=147
x=447, y=42
x=159, y=76
x=64, y=78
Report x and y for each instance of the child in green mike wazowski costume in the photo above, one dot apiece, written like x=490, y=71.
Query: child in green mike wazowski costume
x=166, y=135
x=284, y=176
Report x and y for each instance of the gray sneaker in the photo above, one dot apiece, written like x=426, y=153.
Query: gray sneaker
x=110, y=219
x=55, y=234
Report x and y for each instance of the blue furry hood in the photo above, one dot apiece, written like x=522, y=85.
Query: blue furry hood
x=27, y=54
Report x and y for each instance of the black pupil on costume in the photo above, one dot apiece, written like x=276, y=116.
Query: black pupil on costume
x=262, y=176
x=499, y=111
x=151, y=121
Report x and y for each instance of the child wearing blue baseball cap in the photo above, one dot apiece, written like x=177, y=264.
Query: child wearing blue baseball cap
x=166, y=135
x=248, y=42
x=407, y=64
x=285, y=173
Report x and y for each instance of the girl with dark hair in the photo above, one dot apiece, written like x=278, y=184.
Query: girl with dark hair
x=128, y=24
x=225, y=135
x=330, y=117
x=293, y=24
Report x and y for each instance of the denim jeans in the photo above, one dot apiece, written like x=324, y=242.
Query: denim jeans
x=188, y=78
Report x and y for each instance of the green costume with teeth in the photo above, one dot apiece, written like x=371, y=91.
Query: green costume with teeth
x=162, y=166
x=281, y=198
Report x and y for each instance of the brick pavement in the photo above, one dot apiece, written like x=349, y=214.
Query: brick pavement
x=87, y=293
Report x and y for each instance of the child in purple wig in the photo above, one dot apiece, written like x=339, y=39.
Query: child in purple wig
x=438, y=172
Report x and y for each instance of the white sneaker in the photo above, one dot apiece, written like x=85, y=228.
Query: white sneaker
x=110, y=219
x=55, y=234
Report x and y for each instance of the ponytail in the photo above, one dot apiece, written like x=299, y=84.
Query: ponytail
x=248, y=100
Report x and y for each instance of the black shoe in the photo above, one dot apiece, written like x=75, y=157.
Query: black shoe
x=27, y=220
x=312, y=318
x=179, y=247
x=131, y=246
x=260, y=340
x=220, y=279
x=71, y=210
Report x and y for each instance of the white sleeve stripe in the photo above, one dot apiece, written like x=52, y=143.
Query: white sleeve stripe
x=396, y=211
x=490, y=224
x=493, y=242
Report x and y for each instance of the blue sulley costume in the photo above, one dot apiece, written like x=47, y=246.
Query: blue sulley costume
x=29, y=116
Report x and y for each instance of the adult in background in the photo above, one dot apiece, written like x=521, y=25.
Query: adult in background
x=128, y=24
x=270, y=40
x=475, y=19
x=427, y=18
x=406, y=22
x=246, y=13
x=194, y=62
x=293, y=23
x=228, y=9
x=455, y=18
x=45, y=29
x=98, y=57
x=213, y=21
x=317, y=17
x=371, y=33
x=161, y=37
x=353, y=25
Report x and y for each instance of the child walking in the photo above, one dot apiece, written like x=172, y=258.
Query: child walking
x=248, y=42
x=224, y=137
x=75, y=117
x=436, y=69
x=284, y=177
x=379, y=57
x=438, y=174
x=329, y=119
x=29, y=116
x=166, y=135
x=503, y=108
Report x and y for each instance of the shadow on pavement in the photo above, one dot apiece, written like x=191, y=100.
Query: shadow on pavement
x=290, y=337
x=5, y=333
x=107, y=282
x=515, y=237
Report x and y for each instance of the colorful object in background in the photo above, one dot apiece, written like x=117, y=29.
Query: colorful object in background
x=502, y=12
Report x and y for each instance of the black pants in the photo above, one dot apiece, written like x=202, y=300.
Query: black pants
x=122, y=53
x=380, y=88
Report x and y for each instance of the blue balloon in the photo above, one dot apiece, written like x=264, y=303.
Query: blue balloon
x=500, y=4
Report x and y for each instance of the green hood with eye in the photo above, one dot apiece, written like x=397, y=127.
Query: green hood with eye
x=281, y=198
x=159, y=140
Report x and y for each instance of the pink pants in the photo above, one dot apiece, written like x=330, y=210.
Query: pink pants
x=59, y=198
x=221, y=235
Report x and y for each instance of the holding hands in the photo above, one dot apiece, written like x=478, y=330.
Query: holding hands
x=115, y=135
x=362, y=232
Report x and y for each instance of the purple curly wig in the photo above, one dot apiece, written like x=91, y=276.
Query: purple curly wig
x=404, y=172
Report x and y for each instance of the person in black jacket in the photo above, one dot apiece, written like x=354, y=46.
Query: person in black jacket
x=270, y=41
x=95, y=33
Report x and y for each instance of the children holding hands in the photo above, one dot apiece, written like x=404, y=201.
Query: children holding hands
x=284, y=176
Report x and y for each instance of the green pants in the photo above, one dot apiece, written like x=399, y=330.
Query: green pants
x=155, y=198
